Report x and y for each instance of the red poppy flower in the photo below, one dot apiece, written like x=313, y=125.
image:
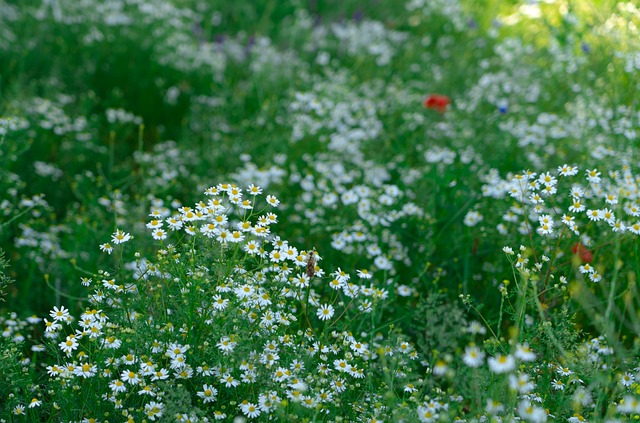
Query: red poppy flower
x=437, y=102
x=585, y=255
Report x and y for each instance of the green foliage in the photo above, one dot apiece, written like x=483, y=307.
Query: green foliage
x=456, y=189
x=5, y=279
x=438, y=325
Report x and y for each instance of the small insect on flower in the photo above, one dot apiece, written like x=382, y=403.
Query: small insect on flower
x=311, y=264
x=583, y=252
x=437, y=102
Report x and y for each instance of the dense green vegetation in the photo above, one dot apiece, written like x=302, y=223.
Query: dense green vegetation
x=319, y=211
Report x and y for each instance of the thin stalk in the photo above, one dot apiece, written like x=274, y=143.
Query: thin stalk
x=612, y=289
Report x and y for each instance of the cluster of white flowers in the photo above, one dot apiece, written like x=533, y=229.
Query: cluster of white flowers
x=364, y=38
x=310, y=368
x=613, y=199
x=122, y=116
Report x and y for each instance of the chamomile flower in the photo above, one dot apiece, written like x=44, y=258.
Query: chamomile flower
x=595, y=277
x=236, y=236
x=244, y=291
x=568, y=220
x=106, y=247
x=472, y=218
x=249, y=409
x=563, y=371
x=577, y=206
x=252, y=247
x=117, y=386
x=120, y=237
x=608, y=216
x=154, y=224
x=632, y=209
x=493, y=406
x=175, y=223
x=593, y=176
x=410, y=388
x=547, y=179
x=222, y=235
x=254, y=190
x=629, y=404
x=147, y=390
x=219, y=415
x=325, y=312
x=226, y=345
x=213, y=191
x=364, y=274
x=358, y=348
x=576, y=192
x=54, y=371
x=524, y=353
x=535, y=198
x=404, y=290
x=627, y=379
x=611, y=199
x=159, y=234
x=86, y=370
x=595, y=215
x=558, y=385
x=155, y=213
x=521, y=383
x=229, y=381
x=161, y=374
x=219, y=303
x=567, y=170
x=277, y=256
x=154, y=410
x=130, y=377
x=69, y=345
x=336, y=283
x=546, y=224
x=244, y=226
x=427, y=414
x=281, y=374
x=208, y=393
x=440, y=368
x=586, y=268
x=473, y=356
x=476, y=328
x=60, y=314
x=502, y=363
x=273, y=201
x=531, y=413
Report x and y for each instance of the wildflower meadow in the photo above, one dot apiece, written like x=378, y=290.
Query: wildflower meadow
x=319, y=211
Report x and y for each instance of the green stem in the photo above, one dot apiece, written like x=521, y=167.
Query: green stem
x=612, y=290
x=60, y=293
x=488, y=327
x=17, y=216
x=500, y=314
x=523, y=303
x=547, y=327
